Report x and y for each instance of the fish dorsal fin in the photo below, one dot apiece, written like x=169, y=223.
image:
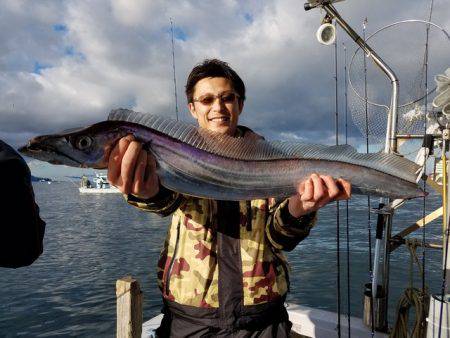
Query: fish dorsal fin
x=249, y=149
x=156, y=122
x=343, y=148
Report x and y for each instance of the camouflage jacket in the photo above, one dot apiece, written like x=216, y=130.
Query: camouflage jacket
x=217, y=252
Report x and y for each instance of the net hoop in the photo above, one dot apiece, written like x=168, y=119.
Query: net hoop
x=371, y=36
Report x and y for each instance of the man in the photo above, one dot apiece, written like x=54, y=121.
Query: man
x=21, y=228
x=221, y=271
x=85, y=183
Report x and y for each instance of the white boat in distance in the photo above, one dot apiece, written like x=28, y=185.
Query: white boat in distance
x=100, y=185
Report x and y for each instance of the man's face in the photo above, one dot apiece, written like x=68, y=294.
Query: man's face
x=216, y=105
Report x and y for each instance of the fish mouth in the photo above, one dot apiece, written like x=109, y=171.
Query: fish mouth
x=35, y=149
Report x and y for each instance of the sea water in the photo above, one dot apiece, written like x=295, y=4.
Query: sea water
x=92, y=240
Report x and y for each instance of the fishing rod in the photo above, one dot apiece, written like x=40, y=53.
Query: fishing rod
x=431, y=143
x=174, y=73
x=338, y=243
x=369, y=227
x=347, y=225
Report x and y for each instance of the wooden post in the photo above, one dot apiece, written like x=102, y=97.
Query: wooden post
x=417, y=225
x=129, y=308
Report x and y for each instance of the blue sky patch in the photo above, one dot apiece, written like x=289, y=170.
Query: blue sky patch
x=59, y=27
x=129, y=102
x=248, y=17
x=38, y=67
x=178, y=33
x=72, y=52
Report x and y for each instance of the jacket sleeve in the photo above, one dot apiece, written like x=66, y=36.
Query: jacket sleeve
x=285, y=231
x=163, y=204
x=21, y=228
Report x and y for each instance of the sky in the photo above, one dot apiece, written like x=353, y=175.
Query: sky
x=66, y=64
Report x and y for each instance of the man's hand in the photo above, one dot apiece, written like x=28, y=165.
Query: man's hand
x=132, y=169
x=317, y=191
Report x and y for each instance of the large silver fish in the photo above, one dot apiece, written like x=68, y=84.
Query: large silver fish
x=198, y=162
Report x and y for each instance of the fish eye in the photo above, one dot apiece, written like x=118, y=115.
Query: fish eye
x=83, y=142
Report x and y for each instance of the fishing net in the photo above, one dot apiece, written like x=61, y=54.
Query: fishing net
x=442, y=99
x=402, y=46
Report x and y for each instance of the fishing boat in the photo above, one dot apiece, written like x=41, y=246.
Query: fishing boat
x=100, y=185
x=48, y=181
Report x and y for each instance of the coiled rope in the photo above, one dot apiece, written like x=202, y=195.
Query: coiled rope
x=412, y=298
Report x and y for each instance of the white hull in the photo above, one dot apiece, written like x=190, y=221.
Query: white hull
x=98, y=191
x=307, y=321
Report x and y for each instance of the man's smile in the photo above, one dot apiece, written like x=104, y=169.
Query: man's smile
x=219, y=119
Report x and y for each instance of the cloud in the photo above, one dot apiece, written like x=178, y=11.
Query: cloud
x=64, y=64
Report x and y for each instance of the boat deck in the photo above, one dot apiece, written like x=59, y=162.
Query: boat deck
x=307, y=322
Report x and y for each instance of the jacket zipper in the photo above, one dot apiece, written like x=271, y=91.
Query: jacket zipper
x=280, y=260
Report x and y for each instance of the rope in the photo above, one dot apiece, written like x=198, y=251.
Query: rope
x=418, y=299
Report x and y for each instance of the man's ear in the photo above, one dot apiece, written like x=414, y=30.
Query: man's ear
x=192, y=110
x=241, y=106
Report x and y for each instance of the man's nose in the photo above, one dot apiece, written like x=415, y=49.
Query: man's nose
x=218, y=104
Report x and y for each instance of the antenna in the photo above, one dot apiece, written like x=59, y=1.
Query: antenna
x=174, y=74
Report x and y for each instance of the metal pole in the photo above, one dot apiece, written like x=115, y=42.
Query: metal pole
x=391, y=141
x=445, y=204
x=445, y=234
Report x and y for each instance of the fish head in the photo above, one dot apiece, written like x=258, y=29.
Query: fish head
x=80, y=147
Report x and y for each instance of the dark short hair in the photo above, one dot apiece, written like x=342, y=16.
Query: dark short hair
x=213, y=68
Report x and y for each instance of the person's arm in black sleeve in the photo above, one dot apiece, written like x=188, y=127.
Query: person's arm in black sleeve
x=285, y=231
x=163, y=204
x=21, y=228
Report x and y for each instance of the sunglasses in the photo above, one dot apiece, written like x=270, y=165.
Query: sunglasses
x=208, y=99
